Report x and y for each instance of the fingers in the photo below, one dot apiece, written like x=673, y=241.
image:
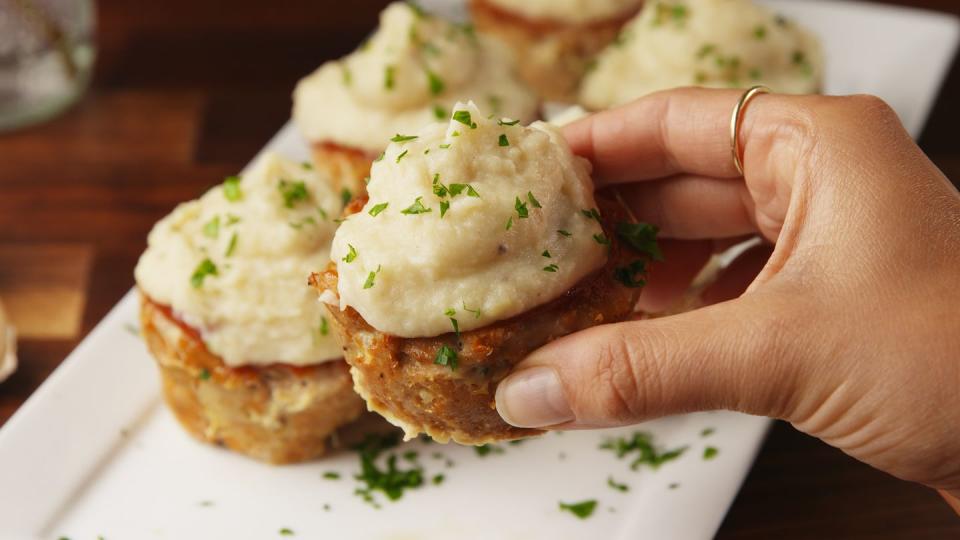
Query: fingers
x=692, y=206
x=727, y=356
x=667, y=281
x=662, y=134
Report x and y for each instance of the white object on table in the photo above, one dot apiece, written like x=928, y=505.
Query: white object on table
x=93, y=451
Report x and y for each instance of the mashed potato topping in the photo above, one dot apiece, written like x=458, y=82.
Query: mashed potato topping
x=409, y=73
x=569, y=11
x=473, y=220
x=714, y=43
x=234, y=264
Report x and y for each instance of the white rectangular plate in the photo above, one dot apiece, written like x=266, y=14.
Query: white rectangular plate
x=94, y=452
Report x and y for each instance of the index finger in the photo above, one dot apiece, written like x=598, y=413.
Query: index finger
x=685, y=130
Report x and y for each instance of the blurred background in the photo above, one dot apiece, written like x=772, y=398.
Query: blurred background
x=184, y=93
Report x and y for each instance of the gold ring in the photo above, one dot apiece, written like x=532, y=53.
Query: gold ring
x=735, y=121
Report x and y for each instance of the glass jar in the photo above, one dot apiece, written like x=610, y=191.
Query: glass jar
x=46, y=56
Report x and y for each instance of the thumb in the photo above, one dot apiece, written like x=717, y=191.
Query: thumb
x=742, y=355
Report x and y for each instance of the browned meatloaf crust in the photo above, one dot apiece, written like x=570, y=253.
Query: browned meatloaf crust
x=553, y=56
x=276, y=413
x=347, y=167
x=398, y=378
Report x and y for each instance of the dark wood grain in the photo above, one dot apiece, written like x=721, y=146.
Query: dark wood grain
x=187, y=91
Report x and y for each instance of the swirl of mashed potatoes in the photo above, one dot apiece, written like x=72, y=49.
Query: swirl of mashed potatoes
x=568, y=11
x=409, y=73
x=476, y=219
x=713, y=43
x=231, y=264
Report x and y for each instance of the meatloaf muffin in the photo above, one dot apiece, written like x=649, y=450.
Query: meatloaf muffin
x=245, y=352
x=410, y=72
x=555, y=40
x=711, y=43
x=481, y=241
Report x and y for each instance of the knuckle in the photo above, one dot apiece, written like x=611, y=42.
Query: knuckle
x=622, y=377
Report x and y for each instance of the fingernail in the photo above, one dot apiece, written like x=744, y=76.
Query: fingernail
x=533, y=398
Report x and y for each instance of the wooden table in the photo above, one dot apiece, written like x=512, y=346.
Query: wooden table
x=185, y=93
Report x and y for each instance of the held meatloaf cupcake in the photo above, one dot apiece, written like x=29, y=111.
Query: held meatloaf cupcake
x=714, y=43
x=245, y=350
x=555, y=40
x=409, y=73
x=481, y=241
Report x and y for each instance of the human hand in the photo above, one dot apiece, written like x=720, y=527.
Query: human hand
x=849, y=328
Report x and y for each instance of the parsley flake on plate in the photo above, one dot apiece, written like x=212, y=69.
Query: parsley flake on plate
x=292, y=191
x=642, y=237
x=351, y=254
x=582, y=510
x=446, y=357
x=464, y=118
x=416, y=208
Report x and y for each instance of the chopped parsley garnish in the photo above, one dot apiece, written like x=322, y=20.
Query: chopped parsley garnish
x=331, y=475
x=551, y=268
x=509, y=223
x=521, y=208
x=707, y=432
x=582, y=510
x=211, y=229
x=456, y=189
x=533, y=200
x=435, y=82
x=641, y=444
x=345, y=196
x=305, y=221
x=446, y=357
x=347, y=75
x=760, y=32
x=503, y=141
x=601, y=239
x=416, y=208
x=401, y=155
x=592, y=213
x=398, y=138
x=439, y=189
x=377, y=208
x=371, y=277
x=616, y=485
x=380, y=157
x=450, y=312
x=231, y=246
x=439, y=112
x=286, y=532
x=632, y=274
x=676, y=12
x=231, y=189
x=503, y=122
x=755, y=74
x=476, y=312
x=232, y=219
x=464, y=118
x=392, y=481
x=292, y=192
x=562, y=232
x=204, y=374
x=204, y=269
x=486, y=449
x=388, y=76
x=444, y=206
x=351, y=254
x=445, y=146
x=710, y=452
x=438, y=479
x=495, y=101
x=546, y=253
x=324, y=326
x=706, y=50
x=642, y=237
